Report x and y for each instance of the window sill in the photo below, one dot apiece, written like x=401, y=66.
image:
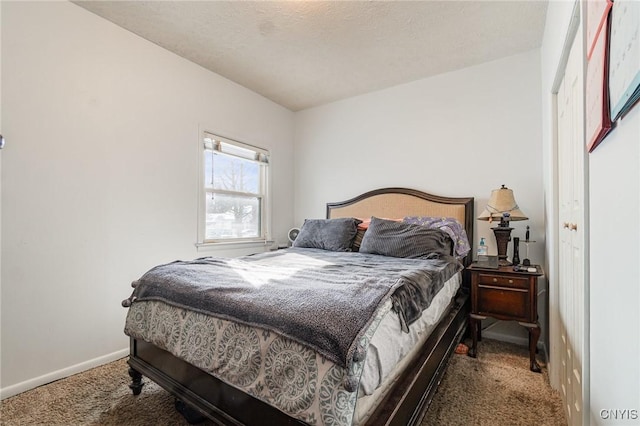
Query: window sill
x=230, y=245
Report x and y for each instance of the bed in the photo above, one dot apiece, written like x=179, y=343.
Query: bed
x=399, y=397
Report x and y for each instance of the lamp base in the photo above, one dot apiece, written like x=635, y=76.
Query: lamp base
x=503, y=236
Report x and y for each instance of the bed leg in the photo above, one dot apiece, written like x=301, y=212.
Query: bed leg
x=136, y=381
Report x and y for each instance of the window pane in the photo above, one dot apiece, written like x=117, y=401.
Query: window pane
x=232, y=216
x=231, y=173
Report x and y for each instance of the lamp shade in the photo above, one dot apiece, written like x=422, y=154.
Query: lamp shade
x=502, y=201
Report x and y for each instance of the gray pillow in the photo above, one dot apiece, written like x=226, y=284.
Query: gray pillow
x=327, y=234
x=399, y=239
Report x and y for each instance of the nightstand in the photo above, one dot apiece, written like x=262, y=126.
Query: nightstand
x=505, y=294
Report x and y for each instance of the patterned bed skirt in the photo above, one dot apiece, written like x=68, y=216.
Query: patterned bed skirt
x=270, y=367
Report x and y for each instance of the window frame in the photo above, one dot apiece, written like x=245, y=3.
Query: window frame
x=263, y=195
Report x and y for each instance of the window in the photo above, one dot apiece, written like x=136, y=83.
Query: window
x=234, y=192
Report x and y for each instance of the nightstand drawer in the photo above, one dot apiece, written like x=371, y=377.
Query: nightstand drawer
x=502, y=280
x=504, y=302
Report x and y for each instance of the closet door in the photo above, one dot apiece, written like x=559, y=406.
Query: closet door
x=571, y=285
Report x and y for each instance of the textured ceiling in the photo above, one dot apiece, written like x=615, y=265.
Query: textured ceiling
x=302, y=54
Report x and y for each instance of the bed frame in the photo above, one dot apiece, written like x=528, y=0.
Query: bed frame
x=200, y=395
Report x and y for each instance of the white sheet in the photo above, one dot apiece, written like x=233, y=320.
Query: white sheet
x=389, y=344
x=421, y=329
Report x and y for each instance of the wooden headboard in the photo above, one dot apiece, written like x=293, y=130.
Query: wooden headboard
x=394, y=203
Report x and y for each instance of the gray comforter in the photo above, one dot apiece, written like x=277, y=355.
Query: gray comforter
x=324, y=300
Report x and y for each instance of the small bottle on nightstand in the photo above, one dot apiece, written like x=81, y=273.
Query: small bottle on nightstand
x=483, y=250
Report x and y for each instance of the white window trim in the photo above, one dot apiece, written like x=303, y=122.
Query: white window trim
x=201, y=243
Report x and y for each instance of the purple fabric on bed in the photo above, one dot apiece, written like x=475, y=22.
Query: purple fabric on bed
x=449, y=225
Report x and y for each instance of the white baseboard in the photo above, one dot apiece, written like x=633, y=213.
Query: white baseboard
x=61, y=374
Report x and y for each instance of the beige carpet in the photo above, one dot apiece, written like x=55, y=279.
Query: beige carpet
x=495, y=389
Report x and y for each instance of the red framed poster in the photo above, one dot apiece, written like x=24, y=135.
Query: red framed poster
x=596, y=15
x=598, y=115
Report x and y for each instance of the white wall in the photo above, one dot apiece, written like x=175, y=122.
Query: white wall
x=462, y=133
x=614, y=181
x=614, y=242
x=99, y=178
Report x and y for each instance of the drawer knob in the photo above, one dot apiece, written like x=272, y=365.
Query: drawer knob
x=573, y=227
x=495, y=280
x=510, y=281
x=565, y=225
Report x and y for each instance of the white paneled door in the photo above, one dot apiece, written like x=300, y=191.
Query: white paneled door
x=570, y=331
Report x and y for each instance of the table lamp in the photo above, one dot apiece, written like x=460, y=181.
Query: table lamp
x=502, y=206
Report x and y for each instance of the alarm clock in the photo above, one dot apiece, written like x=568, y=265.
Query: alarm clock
x=293, y=234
